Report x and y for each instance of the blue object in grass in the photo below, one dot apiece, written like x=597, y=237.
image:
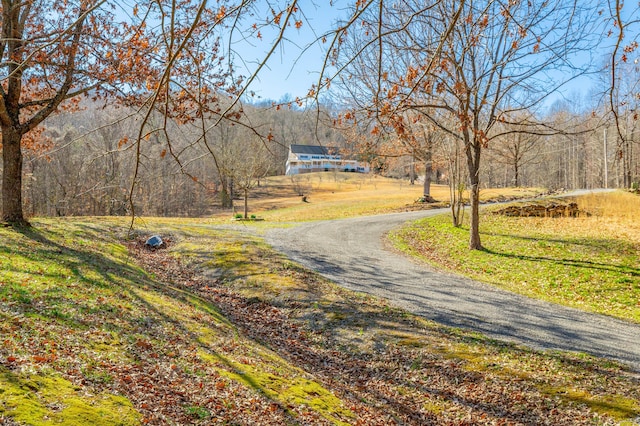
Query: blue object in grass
x=154, y=242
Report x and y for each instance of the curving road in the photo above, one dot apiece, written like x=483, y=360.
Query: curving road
x=351, y=253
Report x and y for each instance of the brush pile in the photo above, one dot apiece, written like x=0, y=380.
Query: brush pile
x=541, y=210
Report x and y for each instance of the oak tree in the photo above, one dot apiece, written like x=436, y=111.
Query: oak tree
x=51, y=53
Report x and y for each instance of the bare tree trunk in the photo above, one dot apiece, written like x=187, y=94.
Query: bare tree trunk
x=246, y=203
x=627, y=161
x=473, y=162
x=226, y=199
x=474, y=229
x=12, y=177
x=456, y=185
x=428, y=171
x=426, y=187
x=412, y=171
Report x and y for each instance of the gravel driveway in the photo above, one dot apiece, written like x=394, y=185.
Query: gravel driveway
x=351, y=252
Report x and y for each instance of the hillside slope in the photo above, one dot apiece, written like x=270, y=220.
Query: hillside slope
x=218, y=328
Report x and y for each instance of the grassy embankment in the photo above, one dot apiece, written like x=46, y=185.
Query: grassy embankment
x=590, y=262
x=221, y=328
x=90, y=338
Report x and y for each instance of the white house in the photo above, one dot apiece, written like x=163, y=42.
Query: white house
x=313, y=158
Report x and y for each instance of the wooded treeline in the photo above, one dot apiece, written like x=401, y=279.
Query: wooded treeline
x=88, y=168
x=89, y=164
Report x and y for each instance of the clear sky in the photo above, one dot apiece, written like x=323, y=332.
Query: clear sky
x=293, y=68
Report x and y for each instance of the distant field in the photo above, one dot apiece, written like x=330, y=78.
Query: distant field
x=591, y=262
x=334, y=195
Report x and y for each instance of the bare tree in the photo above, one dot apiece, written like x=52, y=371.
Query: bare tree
x=52, y=53
x=248, y=162
x=159, y=56
x=516, y=149
x=456, y=177
x=624, y=89
x=489, y=59
x=624, y=98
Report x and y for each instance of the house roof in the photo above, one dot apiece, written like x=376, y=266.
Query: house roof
x=313, y=149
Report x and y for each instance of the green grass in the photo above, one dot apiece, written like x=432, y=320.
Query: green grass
x=81, y=322
x=590, y=263
x=32, y=398
x=222, y=328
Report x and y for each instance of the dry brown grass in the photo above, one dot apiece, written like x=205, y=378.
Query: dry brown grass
x=611, y=216
x=617, y=213
x=336, y=195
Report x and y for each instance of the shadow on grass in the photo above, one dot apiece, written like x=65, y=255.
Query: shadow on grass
x=64, y=273
x=604, y=246
x=586, y=264
x=364, y=376
x=356, y=333
x=93, y=295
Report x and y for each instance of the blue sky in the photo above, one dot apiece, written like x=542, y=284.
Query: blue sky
x=293, y=68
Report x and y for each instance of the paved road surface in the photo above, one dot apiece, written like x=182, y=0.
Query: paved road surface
x=351, y=253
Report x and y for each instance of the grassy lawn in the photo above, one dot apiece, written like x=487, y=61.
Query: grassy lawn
x=90, y=338
x=337, y=195
x=218, y=328
x=589, y=262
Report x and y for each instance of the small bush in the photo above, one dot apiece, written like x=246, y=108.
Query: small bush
x=253, y=216
x=198, y=412
x=238, y=216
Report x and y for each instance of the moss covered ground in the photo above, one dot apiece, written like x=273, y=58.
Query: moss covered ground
x=216, y=327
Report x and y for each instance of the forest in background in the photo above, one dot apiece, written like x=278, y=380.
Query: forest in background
x=88, y=165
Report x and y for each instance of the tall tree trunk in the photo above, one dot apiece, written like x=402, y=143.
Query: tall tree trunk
x=225, y=198
x=412, y=171
x=474, y=229
x=428, y=171
x=473, y=163
x=426, y=187
x=627, y=164
x=456, y=185
x=12, y=177
x=246, y=203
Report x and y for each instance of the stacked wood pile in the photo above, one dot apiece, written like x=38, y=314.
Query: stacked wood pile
x=540, y=210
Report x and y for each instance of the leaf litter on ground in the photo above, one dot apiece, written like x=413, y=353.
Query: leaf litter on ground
x=390, y=367
x=256, y=339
